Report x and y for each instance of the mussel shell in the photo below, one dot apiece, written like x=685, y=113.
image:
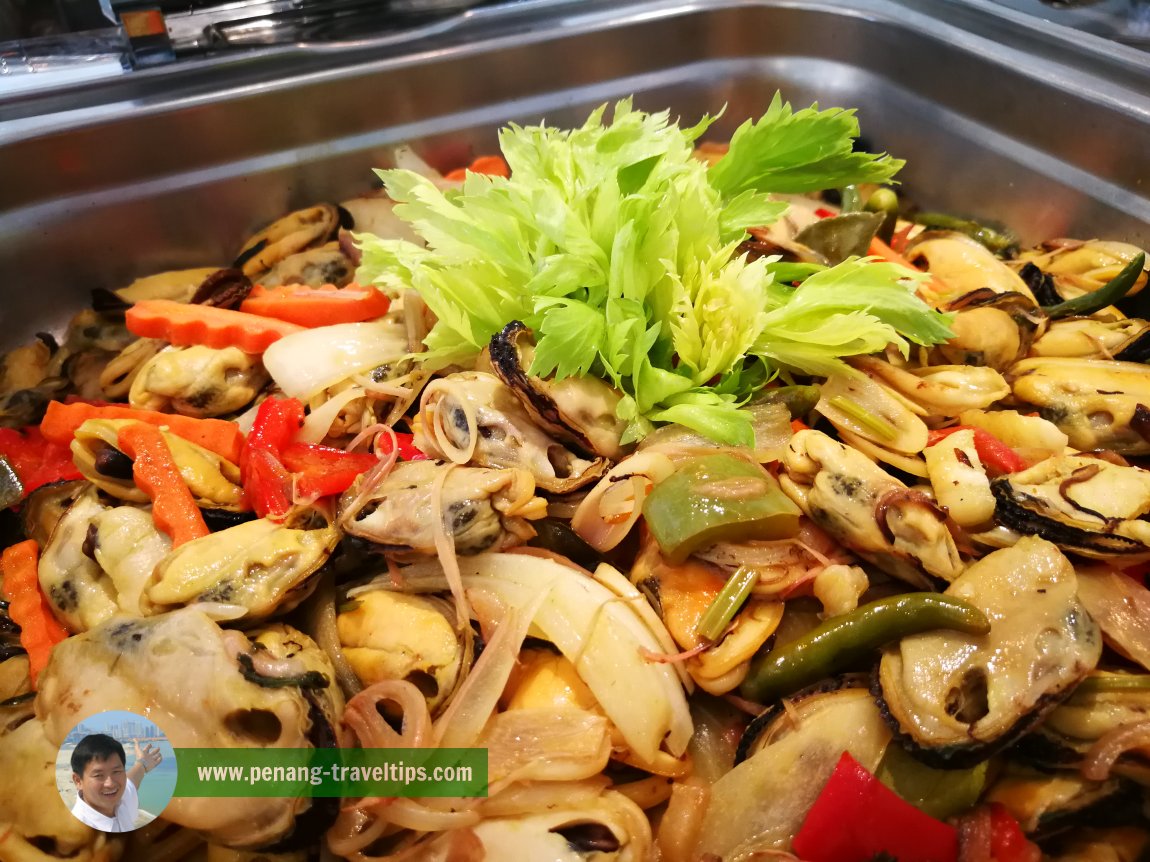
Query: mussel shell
x=764, y=727
x=597, y=432
x=954, y=700
x=289, y=235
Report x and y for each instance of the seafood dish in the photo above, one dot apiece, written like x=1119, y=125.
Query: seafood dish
x=734, y=506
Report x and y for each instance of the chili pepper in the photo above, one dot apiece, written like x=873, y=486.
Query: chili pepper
x=885, y=201
x=322, y=471
x=1106, y=295
x=993, y=240
x=844, y=641
x=34, y=460
x=27, y=608
x=1008, y=843
x=266, y=481
x=717, y=498
x=856, y=819
x=995, y=455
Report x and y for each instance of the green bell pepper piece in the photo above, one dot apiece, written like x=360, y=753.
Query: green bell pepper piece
x=717, y=498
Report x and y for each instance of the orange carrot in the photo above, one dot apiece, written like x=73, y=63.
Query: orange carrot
x=311, y=306
x=173, y=508
x=878, y=248
x=27, y=606
x=182, y=323
x=216, y=435
x=493, y=165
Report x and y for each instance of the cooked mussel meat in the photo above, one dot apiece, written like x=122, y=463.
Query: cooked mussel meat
x=1093, y=401
x=474, y=418
x=393, y=635
x=198, y=381
x=316, y=267
x=481, y=509
x=1085, y=505
x=213, y=481
x=963, y=264
x=295, y=232
x=581, y=411
x=1078, y=266
x=955, y=699
x=901, y=531
x=1087, y=338
x=786, y=756
x=260, y=567
x=990, y=329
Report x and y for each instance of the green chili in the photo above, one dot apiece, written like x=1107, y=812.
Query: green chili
x=1106, y=295
x=994, y=240
x=844, y=641
x=726, y=604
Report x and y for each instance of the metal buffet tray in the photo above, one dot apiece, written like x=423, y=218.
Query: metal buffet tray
x=1042, y=128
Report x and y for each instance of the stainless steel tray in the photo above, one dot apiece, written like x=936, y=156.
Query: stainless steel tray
x=1039, y=128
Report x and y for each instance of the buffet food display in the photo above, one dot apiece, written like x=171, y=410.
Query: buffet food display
x=709, y=486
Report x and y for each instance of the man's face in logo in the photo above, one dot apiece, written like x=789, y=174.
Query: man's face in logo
x=102, y=783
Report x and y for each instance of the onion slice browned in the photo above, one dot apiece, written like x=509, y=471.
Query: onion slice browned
x=1121, y=607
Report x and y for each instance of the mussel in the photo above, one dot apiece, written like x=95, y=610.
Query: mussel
x=474, y=418
x=198, y=381
x=1085, y=505
x=1093, y=401
x=213, y=480
x=295, y=232
x=956, y=699
x=481, y=509
x=391, y=635
x=903, y=532
x=261, y=567
x=579, y=410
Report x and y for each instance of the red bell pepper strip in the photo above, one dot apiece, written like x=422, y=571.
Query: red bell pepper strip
x=995, y=455
x=405, y=443
x=156, y=473
x=322, y=471
x=856, y=817
x=27, y=607
x=36, y=460
x=266, y=481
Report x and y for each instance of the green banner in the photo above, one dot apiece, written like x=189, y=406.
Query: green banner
x=331, y=772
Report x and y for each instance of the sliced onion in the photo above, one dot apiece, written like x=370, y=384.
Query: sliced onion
x=562, y=744
x=471, y=708
x=318, y=423
x=433, y=419
x=1102, y=756
x=682, y=822
x=362, y=716
x=608, y=513
x=306, y=363
x=1121, y=607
